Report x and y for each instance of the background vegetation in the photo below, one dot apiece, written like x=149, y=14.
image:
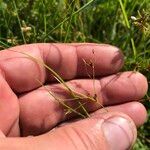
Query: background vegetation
x=123, y=23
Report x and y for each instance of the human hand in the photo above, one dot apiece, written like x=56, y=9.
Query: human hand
x=27, y=109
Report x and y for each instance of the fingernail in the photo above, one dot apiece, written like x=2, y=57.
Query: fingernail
x=119, y=133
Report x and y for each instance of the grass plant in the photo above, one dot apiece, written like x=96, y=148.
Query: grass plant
x=75, y=96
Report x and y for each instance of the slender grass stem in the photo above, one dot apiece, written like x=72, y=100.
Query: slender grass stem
x=19, y=22
x=129, y=27
x=6, y=23
x=44, y=18
x=61, y=101
x=4, y=44
x=69, y=24
x=84, y=110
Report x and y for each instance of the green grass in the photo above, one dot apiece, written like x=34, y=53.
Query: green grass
x=100, y=21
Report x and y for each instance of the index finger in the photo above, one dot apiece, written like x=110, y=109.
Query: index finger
x=65, y=59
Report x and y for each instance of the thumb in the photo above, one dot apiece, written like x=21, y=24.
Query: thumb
x=112, y=131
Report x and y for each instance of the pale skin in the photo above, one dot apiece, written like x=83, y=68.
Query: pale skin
x=26, y=108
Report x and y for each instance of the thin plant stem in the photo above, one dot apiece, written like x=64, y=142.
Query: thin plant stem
x=129, y=27
x=61, y=101
x=4, y=44
x=69, y=24
x=19, y=22
x=44, y=18
x=84, y=110
x=75, y=108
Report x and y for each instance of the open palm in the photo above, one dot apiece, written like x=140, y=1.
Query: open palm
x=28, y=109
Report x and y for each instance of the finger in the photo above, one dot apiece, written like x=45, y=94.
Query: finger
x=100, y=132
x=9, y=109
x=45, y=112
x=123, y=87
x=132, y=109
x=67, y=60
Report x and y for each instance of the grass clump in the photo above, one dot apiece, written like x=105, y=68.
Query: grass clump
x=123, y=23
